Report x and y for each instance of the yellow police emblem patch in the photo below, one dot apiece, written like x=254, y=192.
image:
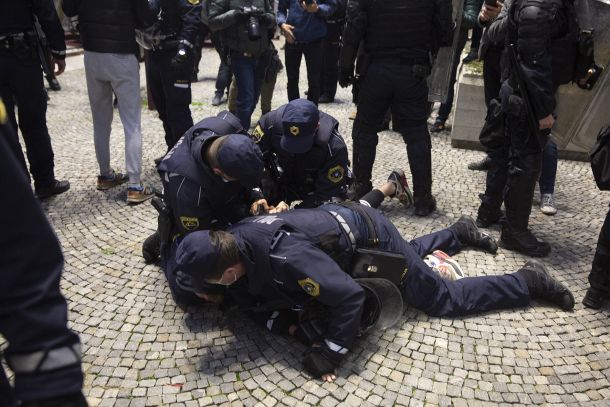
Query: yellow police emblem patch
x=2, y=112
x=193, y=2
x=189, y=223
x=294, y=130
x=257, y=134
x=310, y=287
x=336, y=174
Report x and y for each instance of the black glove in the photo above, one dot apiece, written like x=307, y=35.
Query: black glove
x=73, y=400
x=241, y=16
x=321, y=360
x=180, y=59
x=346, y=77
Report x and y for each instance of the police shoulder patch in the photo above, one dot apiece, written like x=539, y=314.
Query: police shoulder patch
x=2, y=112
x=310, y=287
x=189, y=222
x=336, y=174
x=193, y=2
x=258, y=134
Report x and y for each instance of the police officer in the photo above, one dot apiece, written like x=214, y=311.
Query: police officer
x=169, y=66
x=305, y=156
x=545, y=58
x=21, y=83
x=397, y=39
x=207, y=184
x=305, y=254
x=42, y=352
x=330, y=57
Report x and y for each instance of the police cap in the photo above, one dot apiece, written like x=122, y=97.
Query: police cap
x=299, y=124
x=197, y=257
x=240, y=158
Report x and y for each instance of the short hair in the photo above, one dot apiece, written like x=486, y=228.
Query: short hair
x=211, y=153
x=228, y=252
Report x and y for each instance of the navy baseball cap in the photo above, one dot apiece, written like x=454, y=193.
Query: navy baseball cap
x=240, y=158
x=197, y=257
x=299, y=124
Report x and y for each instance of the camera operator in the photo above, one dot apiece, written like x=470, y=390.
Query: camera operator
x=242, y=27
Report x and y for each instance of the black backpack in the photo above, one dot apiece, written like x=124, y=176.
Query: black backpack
x=600, y=159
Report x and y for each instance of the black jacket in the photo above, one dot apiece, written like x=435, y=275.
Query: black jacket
x=108, y=26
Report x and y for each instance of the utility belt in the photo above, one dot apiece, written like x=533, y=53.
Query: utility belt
x=22, y=45
x=420, y=67
x=167, y=44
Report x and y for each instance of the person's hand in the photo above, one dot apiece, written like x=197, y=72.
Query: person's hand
x=279, y=208
x=310, y=8
x=259, y=207
x=329, y=377
x=547, y=122
x=346, y=77
x=287, y=31
x=240, y=15
x=489, y=13
x=180, y=60
x=60, y=64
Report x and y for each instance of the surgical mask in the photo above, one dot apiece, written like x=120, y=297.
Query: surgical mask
x=224, y=284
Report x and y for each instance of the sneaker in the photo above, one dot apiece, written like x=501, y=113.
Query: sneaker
x=217, y=100
x=105, y=182
x=594, y=298
x=57, y=187
x=543, y=286
x=547, y=204
x=403, y=192
x=438, y=126
x=136, y=195
x=443, y=265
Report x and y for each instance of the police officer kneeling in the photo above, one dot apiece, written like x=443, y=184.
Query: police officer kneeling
x=307, y=254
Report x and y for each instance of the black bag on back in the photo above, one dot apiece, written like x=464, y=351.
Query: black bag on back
x=600, y=159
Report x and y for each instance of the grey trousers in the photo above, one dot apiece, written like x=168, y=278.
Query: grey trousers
x=106, y=73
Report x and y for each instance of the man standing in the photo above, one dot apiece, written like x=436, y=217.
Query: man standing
x=243, y=29
x=169, y=66
x=21, y=84
x=330, y=57
x=111, y=65
x=397, y=38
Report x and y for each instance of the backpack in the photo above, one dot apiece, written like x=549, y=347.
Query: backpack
x=600, y=159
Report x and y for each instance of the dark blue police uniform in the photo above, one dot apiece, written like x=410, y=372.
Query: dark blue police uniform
x=42, y=352
x=286, y=257
x=321, y=174
x=169, y=68
x=197, y=198
x=21, y=82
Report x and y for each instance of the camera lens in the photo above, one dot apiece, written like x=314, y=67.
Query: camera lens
x=254, y=29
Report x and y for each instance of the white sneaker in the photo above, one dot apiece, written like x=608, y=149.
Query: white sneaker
x=547, y=204
x=444, y=265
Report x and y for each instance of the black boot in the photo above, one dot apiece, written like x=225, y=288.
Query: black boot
x=425, y=205
x=488, y=216
x=523, y=241
x=358, y=189
x=363, y=158
x=543, y=286
x=469, y=234
x=594, y=298
x=151, y=248
x=55, y=188
x=483, y=165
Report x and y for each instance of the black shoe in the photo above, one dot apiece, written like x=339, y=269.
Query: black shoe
x=217, y=100
x=594, y=298
x=425, y=205
x=484, y=165
x=543, y=286
x=523, y=242
x=158, y=160
x=151, y=248
x=326, y=99
x=438, y=126
x=487, y=217
x=56, y=188
x=469, y=234
x=358, y=189
x=472, y=56
x=54, y=84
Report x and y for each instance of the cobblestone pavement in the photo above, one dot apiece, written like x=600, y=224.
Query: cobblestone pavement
x=140, y=349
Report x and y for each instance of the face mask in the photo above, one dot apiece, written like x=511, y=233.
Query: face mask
x=225, y=284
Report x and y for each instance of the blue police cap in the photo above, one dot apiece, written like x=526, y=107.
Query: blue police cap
x=197, y=257
x=240, y=158
x=299, y=124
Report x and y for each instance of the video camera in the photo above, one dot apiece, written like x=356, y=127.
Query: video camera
x=254, y=27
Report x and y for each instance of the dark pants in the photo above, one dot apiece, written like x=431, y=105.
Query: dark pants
x=21, y=84
x=330, y=60
x=293, y=54
x=599, y=277
x=249, y=72
x=548, y=172
x=434, y=295
x=171, y=93
x=445, y=108
x=492, y=73
x=223, y=78
x=33, y=312
x=388, y=84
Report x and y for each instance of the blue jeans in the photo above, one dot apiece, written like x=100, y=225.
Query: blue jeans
x=248, y=75
x=549, y=168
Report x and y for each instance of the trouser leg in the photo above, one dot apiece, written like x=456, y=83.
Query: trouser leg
x=267, y=96
x=445, y=108
x=292, y=60
x=548, y=173
x=12, y=139
x=599, y=277
x=313, y=61
x=177, y=89
x=444, y=240
x=155, y=85
x=419, y=151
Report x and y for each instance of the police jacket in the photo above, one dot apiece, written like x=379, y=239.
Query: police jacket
x=308, y=27
x=314, y=177
x=540, y=30
x=108, y=26
x=411, y=28
x=181, y=20
x=18, y=17
x=198, y=198
x=234, y=33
